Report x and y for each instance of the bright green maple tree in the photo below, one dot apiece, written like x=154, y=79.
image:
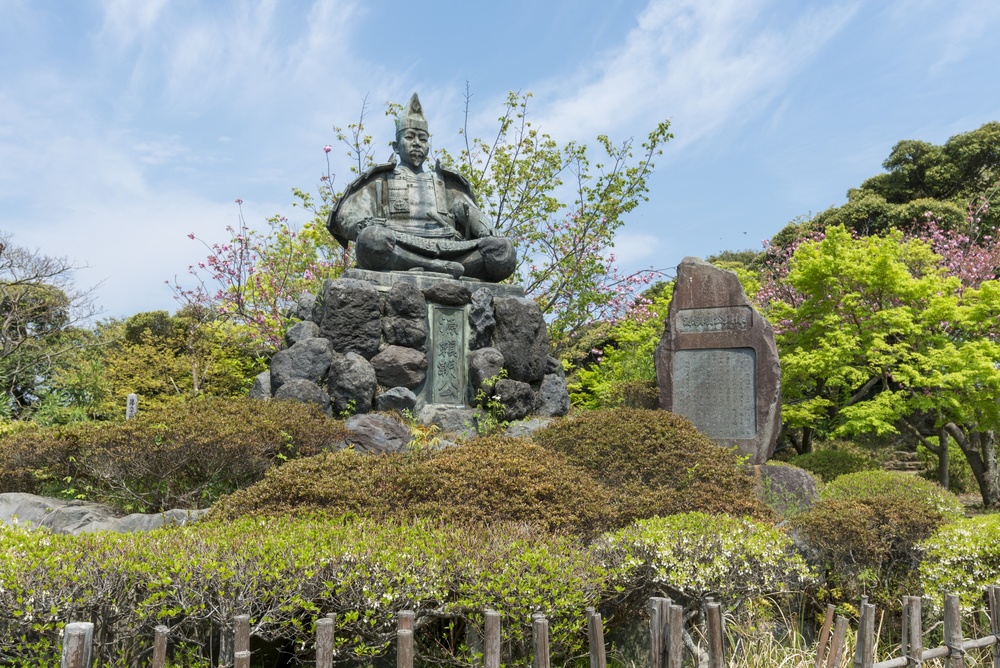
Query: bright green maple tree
x=879, y=339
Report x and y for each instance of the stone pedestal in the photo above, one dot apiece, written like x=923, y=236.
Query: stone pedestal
x=432, y=344
x=717, y=363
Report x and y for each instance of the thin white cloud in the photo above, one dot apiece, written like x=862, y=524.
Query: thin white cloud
x=702, y=64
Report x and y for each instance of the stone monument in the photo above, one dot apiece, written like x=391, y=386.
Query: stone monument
x=717, y=363
x=422, y=323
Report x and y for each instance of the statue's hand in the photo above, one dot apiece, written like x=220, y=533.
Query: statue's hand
x=369, y=221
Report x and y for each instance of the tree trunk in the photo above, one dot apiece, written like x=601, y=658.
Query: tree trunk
x=943, y=457
x=980, y=450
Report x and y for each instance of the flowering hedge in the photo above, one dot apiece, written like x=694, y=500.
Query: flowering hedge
x=694, y=555
x=962, y=558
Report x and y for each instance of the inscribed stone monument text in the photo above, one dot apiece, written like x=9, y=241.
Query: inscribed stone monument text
x=717, y=363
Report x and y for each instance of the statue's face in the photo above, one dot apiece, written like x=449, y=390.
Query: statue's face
x=412, y=146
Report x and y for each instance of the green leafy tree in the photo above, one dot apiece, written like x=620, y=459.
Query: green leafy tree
x=41, y=310
x=562, y=212
x=879, y=338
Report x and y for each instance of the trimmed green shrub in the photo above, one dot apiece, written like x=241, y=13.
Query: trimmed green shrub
x=285, y=574
x=874, y=484
x=184, y=456
x=829, y=464
x=869, y=544
x=655, y=463
x=690, y=556
x=487, y=480
x=962, y=557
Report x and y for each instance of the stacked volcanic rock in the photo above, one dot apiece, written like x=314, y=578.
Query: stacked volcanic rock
x=359, y=348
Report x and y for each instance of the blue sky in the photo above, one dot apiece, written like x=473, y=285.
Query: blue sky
x=125, y=125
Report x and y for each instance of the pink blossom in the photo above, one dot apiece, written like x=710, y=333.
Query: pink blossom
x=327, y=148
x=191, y=236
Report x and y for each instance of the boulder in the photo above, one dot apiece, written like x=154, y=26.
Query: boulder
x=76, y=517
x=553, y=396
x=448, y=293
x=376, y=434
x=396, y=399
x=482, y=323
x=484, y=364
x=351, y=318
x=516, y=396
x=521, y=338
x=525, y=428
x=786, y=489
x=307, y=329
x=451, y=419
x=400, y=331
x=303, y=309
x=261, y=388
x=309, y=359
x=304, y=391
x=398, y=366
x=405, y=300
x=351, y=384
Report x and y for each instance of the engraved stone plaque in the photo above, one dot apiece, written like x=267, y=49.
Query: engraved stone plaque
x=717, y=362
x=716, y=390
x=447, y=363
x=724, y=319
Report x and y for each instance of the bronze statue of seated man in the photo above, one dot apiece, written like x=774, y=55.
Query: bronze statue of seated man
x=403, y=218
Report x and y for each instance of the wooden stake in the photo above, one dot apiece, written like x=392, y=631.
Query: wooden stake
x=491, y=643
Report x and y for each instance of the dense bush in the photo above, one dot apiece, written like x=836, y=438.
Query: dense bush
x=962, y=557
x=284, y=574
x=655, y=463
x=873, y=484
x=693, y=555
x=184, y=456
x=829, y=464
x=487, y=480
x=866, y=529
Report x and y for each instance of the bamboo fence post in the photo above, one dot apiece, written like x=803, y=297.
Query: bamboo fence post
x=160, y=646
x=241, y=641
x=837, y=643
x=595, y=632
x=913, y=640
x=540, y=639
x=491, y=641
x=675, y=637
x=858, y=645
x=324, y=643
x=404, y=648
x=824, y=635
x=716, y=654
x=993, y=593
x=953, y=632
x=404, y=638
x=864, y=655
x=78, y=645
x=658, y=621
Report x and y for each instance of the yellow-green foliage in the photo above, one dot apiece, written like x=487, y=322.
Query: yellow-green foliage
x=625, y=374
x=962, y=558
x=487, y=480
x=285, y=574
x=655, y=463
x=690, y=556
x=830, y=463
x=874, y=484
x=181, y=456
